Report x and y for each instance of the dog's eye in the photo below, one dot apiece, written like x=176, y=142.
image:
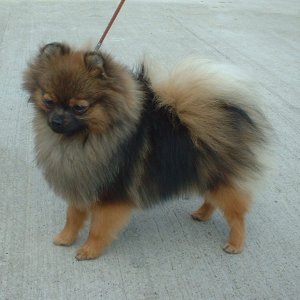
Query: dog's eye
x=79, y=109
x=49, y=103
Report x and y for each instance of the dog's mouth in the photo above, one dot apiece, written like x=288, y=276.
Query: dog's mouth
x=67, y=130
x=65, y=124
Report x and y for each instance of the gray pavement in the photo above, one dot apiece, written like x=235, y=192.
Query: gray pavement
x=163, y=253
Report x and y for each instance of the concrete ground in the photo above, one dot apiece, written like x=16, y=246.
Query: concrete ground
x=163, y=253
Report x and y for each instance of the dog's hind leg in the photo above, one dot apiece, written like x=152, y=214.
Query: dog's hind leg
x=234, y=203
x=204, y=212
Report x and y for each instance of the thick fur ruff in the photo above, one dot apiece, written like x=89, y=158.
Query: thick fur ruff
x=153, y=135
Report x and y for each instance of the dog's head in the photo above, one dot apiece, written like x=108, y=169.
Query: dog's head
x=80, y=91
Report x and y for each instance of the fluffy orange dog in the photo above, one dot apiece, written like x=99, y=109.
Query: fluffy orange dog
x=110, y=140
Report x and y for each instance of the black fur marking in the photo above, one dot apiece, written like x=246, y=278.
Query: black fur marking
x=171, y=164
x=127, y=156
x=209, y=157
x=238, y=115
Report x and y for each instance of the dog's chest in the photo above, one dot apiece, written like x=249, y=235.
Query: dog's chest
x=75, y=170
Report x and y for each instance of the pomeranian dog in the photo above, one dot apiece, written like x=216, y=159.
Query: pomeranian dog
x=110, y=140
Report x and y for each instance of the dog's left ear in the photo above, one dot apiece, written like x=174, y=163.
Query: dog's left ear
x=95, y=63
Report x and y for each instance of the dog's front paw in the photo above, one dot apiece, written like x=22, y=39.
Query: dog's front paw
x=87, y=252
x=63, y=240
x=231, y=249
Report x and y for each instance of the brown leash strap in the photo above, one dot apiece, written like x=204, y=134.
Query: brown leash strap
x=99, y=44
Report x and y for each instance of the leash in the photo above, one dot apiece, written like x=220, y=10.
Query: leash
x=99, y=44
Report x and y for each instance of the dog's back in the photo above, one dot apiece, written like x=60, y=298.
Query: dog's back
x=220, y=108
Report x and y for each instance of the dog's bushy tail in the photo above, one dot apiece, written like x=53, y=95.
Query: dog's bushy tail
x=220, y=107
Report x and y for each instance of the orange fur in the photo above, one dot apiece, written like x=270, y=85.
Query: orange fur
x=234, y=203
x=204, y=212
x=81, y=102
x=98, y=119
x=107, y=221
x=74, y=222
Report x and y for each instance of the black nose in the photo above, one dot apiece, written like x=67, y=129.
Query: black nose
x=57, y=122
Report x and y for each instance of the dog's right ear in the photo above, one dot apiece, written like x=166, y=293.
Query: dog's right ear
x=95, y=63
x=54, y=49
